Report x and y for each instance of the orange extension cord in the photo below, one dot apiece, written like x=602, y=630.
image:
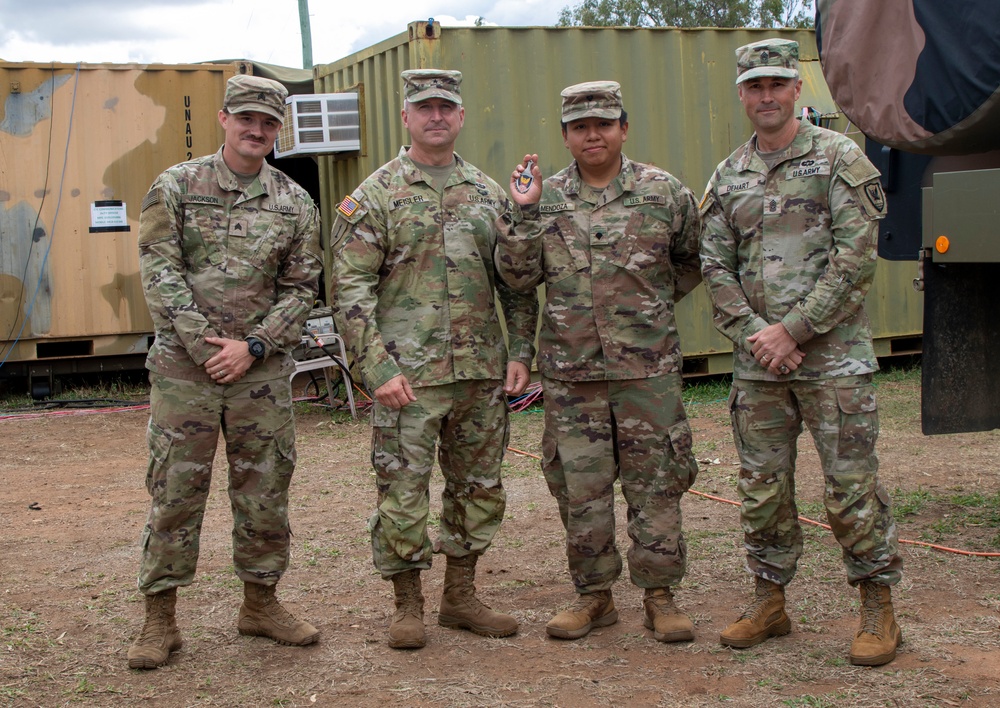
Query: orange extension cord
x=817, y=523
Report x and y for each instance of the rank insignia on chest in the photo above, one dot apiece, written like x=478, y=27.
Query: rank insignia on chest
x=772, y=205
x=348, y=206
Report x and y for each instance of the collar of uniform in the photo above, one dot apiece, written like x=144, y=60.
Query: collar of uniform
x=802, y=143
x=228, y=181
x=627, y=175
x=412, y=173
x=625, y=178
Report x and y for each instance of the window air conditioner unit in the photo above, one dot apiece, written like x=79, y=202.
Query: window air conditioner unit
x=317, y=123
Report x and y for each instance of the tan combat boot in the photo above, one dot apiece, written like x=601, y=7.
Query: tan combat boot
x=461, y=609
x=662, y=616
x=764, y=618
x=159, y=635
x=878, y=634
x=589, y=611
x=407, y=628
x=263, y=616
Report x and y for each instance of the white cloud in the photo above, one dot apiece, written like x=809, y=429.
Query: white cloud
x=190, y=31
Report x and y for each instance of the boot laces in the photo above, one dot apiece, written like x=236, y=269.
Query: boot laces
x=585, y=603
x=664, y=603
x=762, y=596
x=410, y=602
x=278, y=614
x=152, y=630
x=155, y=625
x=871, y=611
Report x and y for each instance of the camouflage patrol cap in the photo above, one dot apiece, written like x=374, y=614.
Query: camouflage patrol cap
x=421, y=84
x=597, y=99
x=768, y=57
x=255, y=93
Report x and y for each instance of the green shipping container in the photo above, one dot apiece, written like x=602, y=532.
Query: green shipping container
x=684, y=115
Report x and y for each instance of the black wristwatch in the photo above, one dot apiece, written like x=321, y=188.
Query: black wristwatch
x=256, y=347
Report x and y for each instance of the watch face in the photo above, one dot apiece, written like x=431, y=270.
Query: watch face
x=256, y=348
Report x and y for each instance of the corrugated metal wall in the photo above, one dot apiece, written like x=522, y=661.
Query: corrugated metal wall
x=72, y=135
x=684, y=115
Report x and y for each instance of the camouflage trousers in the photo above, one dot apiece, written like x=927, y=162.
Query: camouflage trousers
x=466, y=423
x=842, y=416
x=185, y=420
x=634, y=431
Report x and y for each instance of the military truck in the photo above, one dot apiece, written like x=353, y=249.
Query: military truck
x=921, y=80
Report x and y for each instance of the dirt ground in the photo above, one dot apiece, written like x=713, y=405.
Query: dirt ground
x=73, y=505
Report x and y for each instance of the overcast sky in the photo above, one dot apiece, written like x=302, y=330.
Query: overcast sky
x=189, y=31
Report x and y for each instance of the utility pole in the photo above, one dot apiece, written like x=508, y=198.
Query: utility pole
x=307, y=47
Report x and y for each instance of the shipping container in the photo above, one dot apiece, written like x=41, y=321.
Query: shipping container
x=79, y=146
x=684, y=115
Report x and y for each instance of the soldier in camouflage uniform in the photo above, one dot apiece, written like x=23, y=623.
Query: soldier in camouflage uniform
x=788, y=254
x=229, y=257
x=615, y=243
x=412, y=286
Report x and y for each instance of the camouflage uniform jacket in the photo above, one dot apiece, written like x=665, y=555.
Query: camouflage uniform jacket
x=612, y=272
x=412, y=280
x=796, y=245
x=220, y=261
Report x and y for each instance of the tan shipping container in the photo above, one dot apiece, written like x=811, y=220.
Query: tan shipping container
x=684, y=115
x=79, y=146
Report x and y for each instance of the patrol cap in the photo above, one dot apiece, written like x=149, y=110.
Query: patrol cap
x=768, y=57
x=255, y=93
x=421, y=84
x=592, y=99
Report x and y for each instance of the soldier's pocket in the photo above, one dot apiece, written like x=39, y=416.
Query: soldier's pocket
x=385, y=437
x=273, y=241
x=284, y=441
x=201, y=242
x=858, y=421
x=159, y=444
x=645, y=247
x=374, y=530
x=733, y=419
x=562, y=257
x=684, y=464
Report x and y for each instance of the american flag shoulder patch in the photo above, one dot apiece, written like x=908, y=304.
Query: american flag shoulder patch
x=152, y=197
x=348, y=206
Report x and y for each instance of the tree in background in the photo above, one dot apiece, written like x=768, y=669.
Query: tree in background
x=688, y=13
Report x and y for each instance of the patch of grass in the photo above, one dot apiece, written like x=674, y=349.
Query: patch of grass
x=812, y=510
x=509, y=469
x=22, y=629
x=86, y=391
x=315, y=552
x=904, y=370
x=945, y=525
x=707, y=390
x=84, y=686
x=980, y=509
x=955, y=512
x=813, y=701
x=909, y=503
